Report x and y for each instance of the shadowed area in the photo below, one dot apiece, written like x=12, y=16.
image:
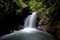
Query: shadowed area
x=30, y=32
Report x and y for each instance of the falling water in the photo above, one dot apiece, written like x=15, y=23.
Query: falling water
x=31, y=20
x=26, y=24
x=29, y=32
x=30, y=23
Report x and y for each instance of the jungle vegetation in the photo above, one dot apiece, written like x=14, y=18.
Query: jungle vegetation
x=14, y=12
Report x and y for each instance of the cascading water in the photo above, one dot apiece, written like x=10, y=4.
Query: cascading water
x=29, y=32
x=30, y=23
x=31, y=20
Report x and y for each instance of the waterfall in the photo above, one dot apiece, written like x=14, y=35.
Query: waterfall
x=29, y=32
x=30, y=23
x=26, y=23
x=31, y=20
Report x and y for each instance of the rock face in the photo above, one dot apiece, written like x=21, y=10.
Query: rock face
x=34, y=35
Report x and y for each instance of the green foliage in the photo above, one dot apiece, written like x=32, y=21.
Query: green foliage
x=9, y=7
x=18, y=2
x=35, y=5
x=14, y=7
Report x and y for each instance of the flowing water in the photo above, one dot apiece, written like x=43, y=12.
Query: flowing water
x=29, y=32
x=31, y=20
